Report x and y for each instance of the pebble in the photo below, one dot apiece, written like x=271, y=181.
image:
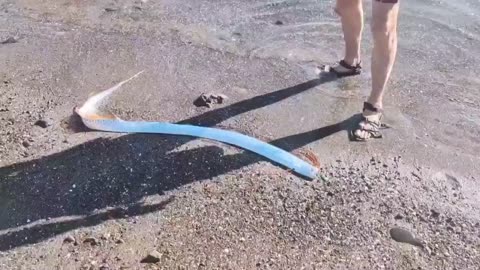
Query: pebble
x=207, y=100
x=278, y=22
x=434, y=213
x=105, y=236
x=69, y=239
x=42, y=123
x=26, y=144
x=104, y=267
x=91, y=240
x=152, y=257
x=403, y=236
x=10, y=40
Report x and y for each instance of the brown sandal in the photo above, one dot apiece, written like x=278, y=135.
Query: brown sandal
x=370, y=125
x=343, y=69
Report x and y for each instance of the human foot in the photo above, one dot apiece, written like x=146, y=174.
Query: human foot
x=343, y=69
x=369, y=127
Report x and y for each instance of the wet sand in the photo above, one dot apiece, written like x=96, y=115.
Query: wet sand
x=263, y=55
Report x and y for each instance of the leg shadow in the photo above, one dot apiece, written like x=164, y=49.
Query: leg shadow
x=113, y=172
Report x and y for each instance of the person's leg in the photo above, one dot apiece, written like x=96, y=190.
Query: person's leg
x=351, y=14
x=384, y=30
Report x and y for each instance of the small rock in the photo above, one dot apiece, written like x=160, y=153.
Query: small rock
x=398, y=217
x=111, y=9
x=220, y=98
x=450, y=221
x=152, y=257
x=42, y=123
x=10, y=40
x=403, y=236
x=120, y=241
x=105, y=236
x=422, y=219
x=104, y=267
x=434, y=213
x=203, y=101
x=278, y=22
x=91, y=240
x=207, y=100
x=26, y=144
x=69, y=239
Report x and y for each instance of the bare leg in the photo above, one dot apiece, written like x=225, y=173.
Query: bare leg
x=384, y=30
x=351, y=14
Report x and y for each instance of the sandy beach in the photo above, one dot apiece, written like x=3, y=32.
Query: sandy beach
x=72, y=198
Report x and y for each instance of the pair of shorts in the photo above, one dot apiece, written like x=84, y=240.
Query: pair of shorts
x=388, y=1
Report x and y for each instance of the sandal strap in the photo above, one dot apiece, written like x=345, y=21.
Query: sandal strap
x=369, y=130
x=370, y=107
x=348, y=66
x=375, y=126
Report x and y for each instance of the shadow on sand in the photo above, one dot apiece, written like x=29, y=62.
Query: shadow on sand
x=119, y=173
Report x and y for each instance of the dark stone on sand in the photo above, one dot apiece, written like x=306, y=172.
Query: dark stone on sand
x=202, y=101
x=42, y=123
x=398, y=217
x=207, y=100
x=219, y=98
x=26, y=144
x=434, y=213
x=69, y=239
x=111, y=9
x=10, y=40
x=104, y=267
x=152, y=257
x=403, y=236
x=91, y=240
x=278, y=22
x=450, y=221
